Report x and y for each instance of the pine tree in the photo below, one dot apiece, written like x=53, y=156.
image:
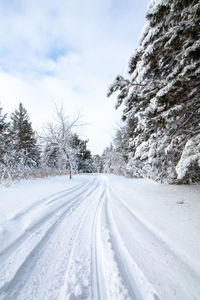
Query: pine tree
x=161, y=95
x=23, y=138
x=83, y=155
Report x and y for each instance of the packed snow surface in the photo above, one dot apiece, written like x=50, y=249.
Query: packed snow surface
x=99, y=237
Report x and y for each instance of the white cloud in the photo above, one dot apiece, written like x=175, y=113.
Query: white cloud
x=67, y=52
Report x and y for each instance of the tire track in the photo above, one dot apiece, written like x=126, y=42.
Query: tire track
x=138, y=285
x=157, y=238
x=74, y=286
x=156, y=248
x=107, y=282
x=24, y=271
x=78, y=287
x=41, y=222
x=98, y=290
x=87, y=243
x=47, y=200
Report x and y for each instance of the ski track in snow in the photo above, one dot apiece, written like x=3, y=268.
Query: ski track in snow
x=85, y=242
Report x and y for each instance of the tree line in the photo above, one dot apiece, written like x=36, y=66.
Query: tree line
x=57, y=150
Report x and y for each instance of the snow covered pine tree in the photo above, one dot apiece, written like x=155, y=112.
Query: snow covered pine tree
x=25, y=151
x=83, y=155
x=161, y=95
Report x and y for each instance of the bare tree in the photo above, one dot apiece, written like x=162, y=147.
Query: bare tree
x=57, y=138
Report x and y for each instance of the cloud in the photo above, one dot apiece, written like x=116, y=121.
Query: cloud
x=67, y=51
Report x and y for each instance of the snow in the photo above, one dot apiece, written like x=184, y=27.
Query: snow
x=99, y=237
x=189, y=157
x=154, y=5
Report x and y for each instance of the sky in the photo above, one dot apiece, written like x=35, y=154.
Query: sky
x=67, y=52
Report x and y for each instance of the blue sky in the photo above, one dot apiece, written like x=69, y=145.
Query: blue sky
x=62, y=51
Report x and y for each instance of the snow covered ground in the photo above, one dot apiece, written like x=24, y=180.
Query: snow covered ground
x=99, y=237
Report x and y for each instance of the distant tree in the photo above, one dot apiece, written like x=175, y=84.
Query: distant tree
x=113, y=161
x=57, y=140
x=97, y=163
x=83, y=155
x=23, y=139
x=161, y=95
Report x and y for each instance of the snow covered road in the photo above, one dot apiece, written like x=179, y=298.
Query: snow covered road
x=99, y=237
